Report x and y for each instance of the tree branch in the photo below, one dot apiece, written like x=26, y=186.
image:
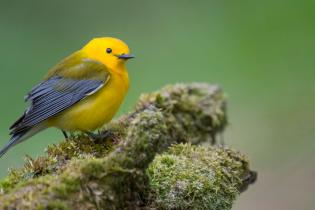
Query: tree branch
x=137, y=167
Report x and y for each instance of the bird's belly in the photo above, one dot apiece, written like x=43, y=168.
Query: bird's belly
x=92, y=112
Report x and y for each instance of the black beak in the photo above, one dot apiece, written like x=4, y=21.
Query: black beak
x=125, y=56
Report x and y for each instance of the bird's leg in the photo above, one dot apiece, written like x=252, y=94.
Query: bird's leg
x=65, y=134
x=100, y=135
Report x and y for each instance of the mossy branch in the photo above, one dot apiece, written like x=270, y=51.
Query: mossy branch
x=151, y=161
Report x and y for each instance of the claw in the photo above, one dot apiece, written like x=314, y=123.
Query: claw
x=100, y=136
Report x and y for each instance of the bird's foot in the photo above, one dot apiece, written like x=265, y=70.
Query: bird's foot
x=100, y=136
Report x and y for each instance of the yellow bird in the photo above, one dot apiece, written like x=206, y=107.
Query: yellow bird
x=81, y=93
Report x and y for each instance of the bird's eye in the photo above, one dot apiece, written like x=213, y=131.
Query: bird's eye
x=109, y=50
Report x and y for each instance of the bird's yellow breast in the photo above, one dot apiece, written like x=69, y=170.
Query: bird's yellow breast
x=95, y=110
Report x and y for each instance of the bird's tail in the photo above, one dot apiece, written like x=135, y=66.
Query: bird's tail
x=19, y=137
x=13, y=141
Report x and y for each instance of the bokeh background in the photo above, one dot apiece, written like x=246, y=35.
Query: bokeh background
x=261, y=52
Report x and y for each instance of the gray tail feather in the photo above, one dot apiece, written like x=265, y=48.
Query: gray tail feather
x=21, y=136
x=13, y=141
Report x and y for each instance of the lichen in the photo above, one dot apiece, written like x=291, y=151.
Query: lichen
x=197, y=112
x=196, y=177
x=111, y=174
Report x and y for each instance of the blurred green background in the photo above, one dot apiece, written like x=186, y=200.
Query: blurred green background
x=261, y=52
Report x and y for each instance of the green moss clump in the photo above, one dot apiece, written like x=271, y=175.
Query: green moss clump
x=54, y=205
x=194, y=113
x=58, y=156
x=195, y=177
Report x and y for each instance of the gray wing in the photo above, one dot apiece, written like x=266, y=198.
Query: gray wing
x=52, y=97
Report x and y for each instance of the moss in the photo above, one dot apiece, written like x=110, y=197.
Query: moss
x=10, y=181
x=66, y=187
x=196, y=112
x=111, y=174
x=54, y=205
x=58, y=156
x=195, y=177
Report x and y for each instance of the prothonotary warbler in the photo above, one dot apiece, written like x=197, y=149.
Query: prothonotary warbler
x=81, y=93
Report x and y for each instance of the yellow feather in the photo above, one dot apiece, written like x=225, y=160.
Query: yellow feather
x=100, y=107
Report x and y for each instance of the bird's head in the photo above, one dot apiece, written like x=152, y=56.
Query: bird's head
x=112, y=52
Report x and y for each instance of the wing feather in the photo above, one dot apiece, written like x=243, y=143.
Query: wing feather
x=47, y=101
x=63, y=87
